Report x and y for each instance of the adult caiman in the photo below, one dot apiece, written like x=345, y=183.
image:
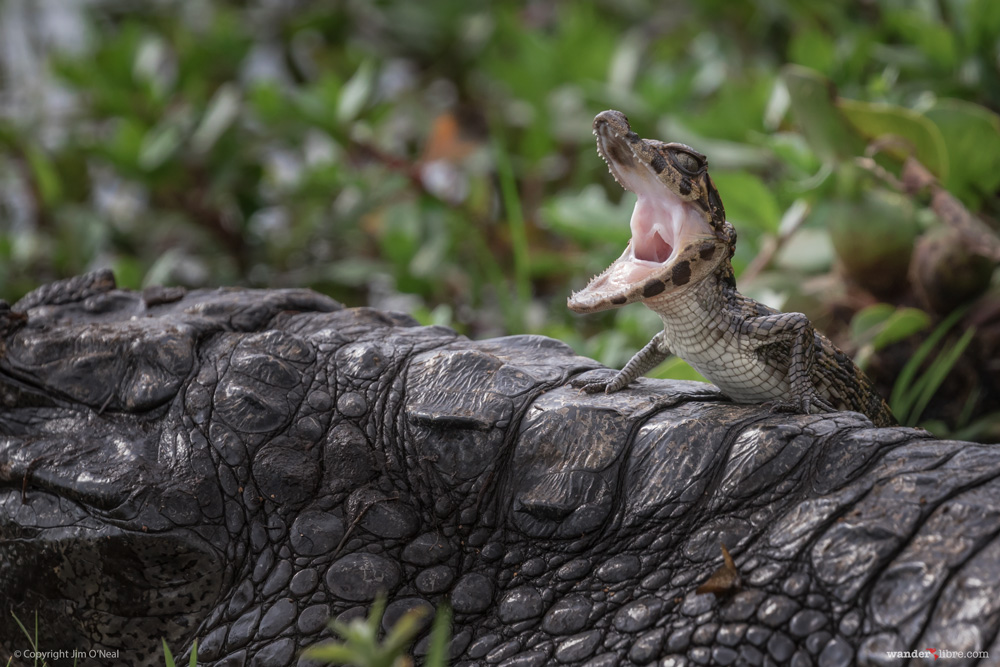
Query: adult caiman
x=237, y=466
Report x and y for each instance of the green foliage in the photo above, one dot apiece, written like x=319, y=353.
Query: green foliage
x=913, y=390
x=517, y=233
x=878, y=326
x=437, y=651
x=971, y=135
x=436, y=157
x=360, y=639
x=168, y=657
x=911, y=133
x=824, y=127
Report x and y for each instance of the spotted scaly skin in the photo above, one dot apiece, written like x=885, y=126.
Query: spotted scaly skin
x=678, y=264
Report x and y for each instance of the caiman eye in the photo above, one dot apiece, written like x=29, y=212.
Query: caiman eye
x=687, y=162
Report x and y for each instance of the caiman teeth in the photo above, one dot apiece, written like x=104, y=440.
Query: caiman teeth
x=610, y=170
x=605, y=157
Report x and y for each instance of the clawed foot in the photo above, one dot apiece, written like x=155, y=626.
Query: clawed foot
x=593, y=386
x=815, y=401
x=806, y=405
x=781, y=406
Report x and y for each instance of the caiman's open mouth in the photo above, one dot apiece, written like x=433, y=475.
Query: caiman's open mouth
x=663, y=224
x=658, y=214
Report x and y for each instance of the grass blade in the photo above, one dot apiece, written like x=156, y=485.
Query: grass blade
x=906, y=390
x=515, y=225
x=402, y=633
x=338, y=654
x=168, y=657
x=437, y=651
x=935, y=375
x=32, y=641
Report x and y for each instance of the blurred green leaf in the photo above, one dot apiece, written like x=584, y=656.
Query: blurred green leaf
x=404, y=630
x=916, y=135
x=222, y=110
x=935, y=39
x=748, y=200
x=588, y=217
x=807, y=251
x=984, y=429
x=437, y=651
x=971, y=135
x=355, y=93
x=400, y=232
x=159, y=145
x=981, y=23
x=316, y=102
x=338, y=654
x=868, y=321
x=793, y=151
x=813, y=48
x=873, y=233
x=813, y=102
x=882, y=324
x=360, y=645
x=152, y=65
x=126, y=141
x=128, y=272
x=45, y=175
x=357, y=271
x=269, y=101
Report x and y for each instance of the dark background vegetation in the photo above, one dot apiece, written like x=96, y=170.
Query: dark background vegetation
x=436, y=158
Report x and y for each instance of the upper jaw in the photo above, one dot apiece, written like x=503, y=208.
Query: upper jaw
x=613, y=134
x=667, y=226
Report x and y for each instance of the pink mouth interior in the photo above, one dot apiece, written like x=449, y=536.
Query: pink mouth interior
x=655, y=225
x=660, y=250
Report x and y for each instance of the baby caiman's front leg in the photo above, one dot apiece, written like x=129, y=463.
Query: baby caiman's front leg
x=644, y=360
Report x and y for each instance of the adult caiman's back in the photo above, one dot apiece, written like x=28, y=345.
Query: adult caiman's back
x=237, y=466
